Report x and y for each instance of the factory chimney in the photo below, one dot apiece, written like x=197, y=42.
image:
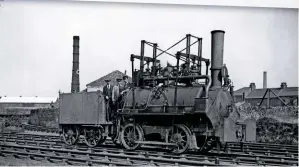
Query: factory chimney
x=265, y=80
x=75, y=75
x=217, y=57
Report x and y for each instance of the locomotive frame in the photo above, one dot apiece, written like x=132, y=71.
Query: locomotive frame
x=158, y=111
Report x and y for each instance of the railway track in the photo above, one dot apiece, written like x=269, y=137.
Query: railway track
x=266, y=148
x=252, y=153
x=255, y=145
x=249, y=148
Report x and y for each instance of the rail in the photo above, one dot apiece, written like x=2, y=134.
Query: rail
x=47, y=146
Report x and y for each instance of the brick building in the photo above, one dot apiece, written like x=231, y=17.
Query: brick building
x=254, y=96
x=9, y=103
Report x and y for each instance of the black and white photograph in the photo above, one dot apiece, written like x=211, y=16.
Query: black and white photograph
x=94, y=83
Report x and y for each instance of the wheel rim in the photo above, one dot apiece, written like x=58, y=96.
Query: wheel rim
x=180, y=136
x=70, y=135
x=92, y=136
x=130, y=134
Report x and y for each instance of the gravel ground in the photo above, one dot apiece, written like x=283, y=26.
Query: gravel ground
x=40, y=133
x=9, y=160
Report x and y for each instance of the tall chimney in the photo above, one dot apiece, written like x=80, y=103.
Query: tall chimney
x=75, y=75
x=217, y=57
x=265, y=80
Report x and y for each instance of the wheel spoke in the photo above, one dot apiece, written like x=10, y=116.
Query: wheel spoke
x=180, y=136
x=183, y=141
x=131, y=133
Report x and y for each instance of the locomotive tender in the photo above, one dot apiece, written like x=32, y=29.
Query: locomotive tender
x=166, y=107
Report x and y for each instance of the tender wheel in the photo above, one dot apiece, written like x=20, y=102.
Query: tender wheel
x=129, y=135
x=179, y=135
x=92, y=136
x=70, y=135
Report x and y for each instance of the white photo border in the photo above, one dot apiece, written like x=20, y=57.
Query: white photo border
x=234, y=3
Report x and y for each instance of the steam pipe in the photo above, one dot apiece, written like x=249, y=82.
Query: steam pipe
x=217, y=57
x=75, y=86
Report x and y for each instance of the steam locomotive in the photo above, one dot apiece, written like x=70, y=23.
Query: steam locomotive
x=178, y=107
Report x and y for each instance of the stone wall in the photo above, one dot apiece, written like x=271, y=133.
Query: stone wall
x=44, y=117
x=275, y=125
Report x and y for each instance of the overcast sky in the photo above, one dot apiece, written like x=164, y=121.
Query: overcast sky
x=36, y=41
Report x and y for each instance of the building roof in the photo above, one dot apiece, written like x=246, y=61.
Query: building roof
x=28, y=100
x=289, y=91
x=259, y=93
x=112, y=76
x=239, y=92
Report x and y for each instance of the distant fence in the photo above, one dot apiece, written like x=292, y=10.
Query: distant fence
x=247, y=110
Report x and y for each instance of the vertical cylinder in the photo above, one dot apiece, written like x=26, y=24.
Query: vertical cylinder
x=176, y=81
x=133, y=80
x=265, y=80
x=140, y=75
x=188, y=37
x=75, y=75
x=154, y=59
x=142, y=56
x=199, y=53
x=217, y=57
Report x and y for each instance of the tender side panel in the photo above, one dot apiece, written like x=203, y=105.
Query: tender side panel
x=90, y=108
x=71, y=108
x=102, y=110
